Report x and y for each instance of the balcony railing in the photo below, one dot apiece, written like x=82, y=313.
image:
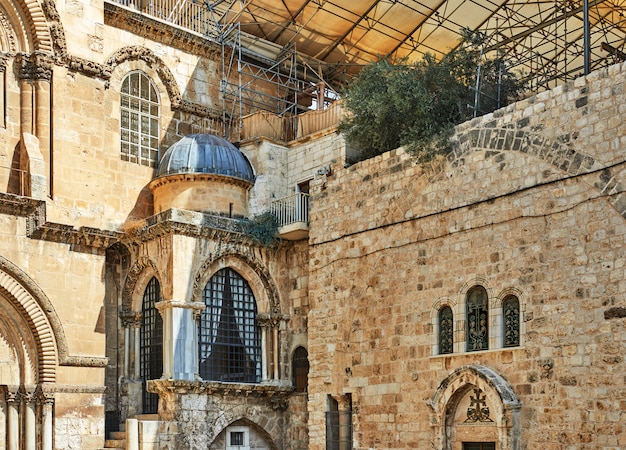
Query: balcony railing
x=291, y=209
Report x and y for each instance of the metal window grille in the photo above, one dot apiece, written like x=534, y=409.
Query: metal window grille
x=510, y=314
x=446, y=330
x=139, y=120
x=151, y=344
x=228, y=335
x=477, y=320
x=300, y=369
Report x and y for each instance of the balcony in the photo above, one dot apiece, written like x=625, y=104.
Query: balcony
x=292, y=214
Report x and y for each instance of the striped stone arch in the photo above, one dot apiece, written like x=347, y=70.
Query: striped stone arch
x=37, y=25
x=251, y=269
x=39, y=316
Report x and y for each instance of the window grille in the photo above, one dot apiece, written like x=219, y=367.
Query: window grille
x=338, y=426
x=479, y=446
x=300, y=369
x=510, y=314
x=446, y=330
x=229, y=337
x=139, y=120
x=477, y=319
x=151, y=344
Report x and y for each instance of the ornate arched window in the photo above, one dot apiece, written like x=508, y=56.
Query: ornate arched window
x=139, y=120
x=151, y=343
x=446, y=330
x=300, y=369
x=511, y=322
x=228, y=333
x=477, y=315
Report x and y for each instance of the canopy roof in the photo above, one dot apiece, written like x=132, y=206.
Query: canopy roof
x=543, y=39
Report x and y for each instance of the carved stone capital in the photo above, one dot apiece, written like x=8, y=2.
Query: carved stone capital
x=36, y=66
x=130, y=319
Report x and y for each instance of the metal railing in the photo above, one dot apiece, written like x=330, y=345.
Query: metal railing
x=291, y=209
x=192, y=15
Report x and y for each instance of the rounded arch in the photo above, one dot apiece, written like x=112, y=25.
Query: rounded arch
x=37, y=315
x=253, y=271
x=505, y=412
x=241, y=421
x=508, y=291
x=138, y=277
x=36, y=26
x=474, y=282
x=142, y=58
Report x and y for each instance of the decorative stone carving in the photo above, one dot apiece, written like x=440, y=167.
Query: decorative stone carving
x=478, y=410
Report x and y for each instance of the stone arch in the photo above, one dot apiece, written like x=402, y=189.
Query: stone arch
x=138, y=53
x=238, y=420
x=136, y=280
x=504, y=412
x=457, y=315
x=37, y=26
x=36, y=315
x=254, y=272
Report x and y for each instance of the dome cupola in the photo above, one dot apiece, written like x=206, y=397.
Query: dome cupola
x=204, y=173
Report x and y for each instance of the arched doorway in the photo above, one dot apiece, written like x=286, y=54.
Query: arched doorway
x=476, y=409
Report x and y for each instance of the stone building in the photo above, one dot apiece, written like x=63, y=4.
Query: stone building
x=475, y=302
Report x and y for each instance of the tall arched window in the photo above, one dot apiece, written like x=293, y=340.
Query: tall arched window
x=446, y=330
x=139, y=120
x=229, y=336
x=300, y=369
x=510, y=315
x=151, y=344
x=477, y=319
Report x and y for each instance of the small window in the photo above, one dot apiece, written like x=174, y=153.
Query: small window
x=446, y=330
x=237, y=438
x=477, y=319
x=479, y=446
x=300, y=369
x=510, y=314
x=139, y=120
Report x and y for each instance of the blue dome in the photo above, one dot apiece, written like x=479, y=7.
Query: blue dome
x=205, y=153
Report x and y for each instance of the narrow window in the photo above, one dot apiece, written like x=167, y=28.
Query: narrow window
x=300, y=369
x=479, y=446
x=139, y=120
x=229, y=337
x=477, y=320
x=510, y=315
x=151, y=344
x=339, y=424
x=446, y=331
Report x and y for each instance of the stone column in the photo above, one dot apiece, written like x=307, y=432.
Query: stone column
x=271, y=325
x=13, y=398
x=46, y=401
x=180, y=342
x=131, y=321
x=30, y=419
x=345, y=422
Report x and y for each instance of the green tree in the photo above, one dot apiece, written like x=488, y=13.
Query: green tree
x=393, y=103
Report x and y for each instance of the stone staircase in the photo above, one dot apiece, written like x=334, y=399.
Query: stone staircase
x=145, y=429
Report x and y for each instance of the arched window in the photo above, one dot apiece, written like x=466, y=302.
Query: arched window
x=139, y=120
x=511, y=324
x=151, y=344
x=228, y=334
x=446, y=330
x=300, y=369
x=477, y=319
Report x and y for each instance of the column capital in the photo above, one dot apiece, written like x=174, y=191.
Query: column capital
x=130, y=319
x=36, y=66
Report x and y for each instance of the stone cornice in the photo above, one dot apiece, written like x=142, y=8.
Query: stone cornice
x=220, y=389
x=178, y=177
x=38, y=228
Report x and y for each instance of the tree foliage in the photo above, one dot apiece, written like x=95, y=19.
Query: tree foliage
x=393, y=103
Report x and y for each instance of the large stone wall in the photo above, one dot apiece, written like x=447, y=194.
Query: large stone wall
x=529, y=203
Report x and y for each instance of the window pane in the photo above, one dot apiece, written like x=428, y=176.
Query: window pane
x=477, y=320
x=151, y=344
x=446, y=330
x=229, y=338
x=139, y=114
x=510, y=314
